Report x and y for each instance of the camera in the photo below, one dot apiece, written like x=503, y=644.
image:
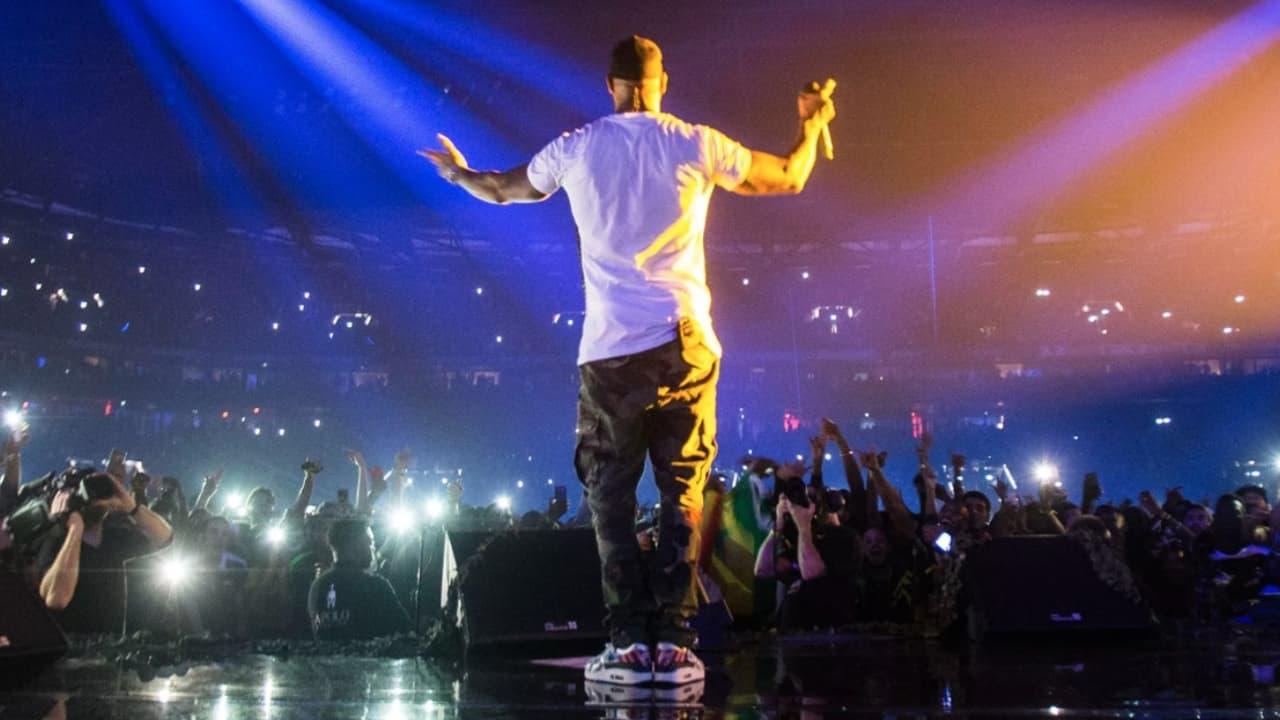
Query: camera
x=31, y=517
x=794, y=490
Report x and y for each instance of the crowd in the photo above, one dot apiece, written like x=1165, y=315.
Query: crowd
x=859, y=555
x=115, y=549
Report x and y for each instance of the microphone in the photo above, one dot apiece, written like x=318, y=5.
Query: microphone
x=828, y=149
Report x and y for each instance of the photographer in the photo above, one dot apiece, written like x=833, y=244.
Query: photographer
x=810, y=554
x=350, y=601
x=81, y=564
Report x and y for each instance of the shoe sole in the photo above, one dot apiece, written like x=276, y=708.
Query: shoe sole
x=682, y=676
x=618, y=676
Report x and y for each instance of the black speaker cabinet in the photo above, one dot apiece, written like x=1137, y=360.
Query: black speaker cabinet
x=531, y=586
x=1043, y=584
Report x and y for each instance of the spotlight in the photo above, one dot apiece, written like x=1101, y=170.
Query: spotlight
x=804, y=275
x=257, y=432
x=197, y=287
x=435, y=509
x=280, y=432
x=4, y=292
x=1043, y=292
x=504, y=503
x=1166, y=314
x=14, y=419
x=235, y=503
x=519, y=484
x=302, y=308
x=746, y=281
x=306, y=295
x=84, y=327
x=1045, y=472
x=316, y=423
x=276, y=535
x=479, y=291
x=1239, y=299
x=71, y=236
x=4, y=240
x=175, y=570
x=498, y=339
x=401, y=520
x=142, y=269
x=84, y=304
x=275, y=327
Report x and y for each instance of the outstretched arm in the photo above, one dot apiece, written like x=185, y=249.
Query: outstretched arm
x=774, y=175
x=491, y=186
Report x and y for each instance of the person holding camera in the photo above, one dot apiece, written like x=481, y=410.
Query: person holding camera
x=81, y=563
x=810, y=554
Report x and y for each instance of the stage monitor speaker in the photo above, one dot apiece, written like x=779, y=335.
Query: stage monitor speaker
x=532, y=586
x=29, y=636
x=1043, y=584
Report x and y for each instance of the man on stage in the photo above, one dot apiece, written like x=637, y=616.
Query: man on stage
x=639, y=181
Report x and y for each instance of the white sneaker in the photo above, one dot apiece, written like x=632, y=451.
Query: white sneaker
x=631, y=665
x=676, y=665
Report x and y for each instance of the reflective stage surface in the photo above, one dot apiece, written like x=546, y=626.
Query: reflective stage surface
x=807, y=677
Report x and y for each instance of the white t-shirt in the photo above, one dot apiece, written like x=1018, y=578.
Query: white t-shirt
x=639, y=184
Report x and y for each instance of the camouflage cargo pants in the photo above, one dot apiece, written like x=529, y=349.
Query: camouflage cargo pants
x=660, y=404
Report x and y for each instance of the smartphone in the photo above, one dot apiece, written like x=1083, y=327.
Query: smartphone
x=943, y=543
x=342, y=496
x=562, y=494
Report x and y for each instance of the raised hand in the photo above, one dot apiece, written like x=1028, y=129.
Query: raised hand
x=780, y=512
x=357, y=458
x=831, y=431
x=402, y=460
x=18, y=439
x=115, y=465
x=1149, y=504
x=212, y=481
x=814, y=106
x=120, y=501
x=448, y=160
x=803, y=515
x=818, y=444
x=871, y=460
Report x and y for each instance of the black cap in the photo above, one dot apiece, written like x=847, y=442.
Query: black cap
x=635, y=58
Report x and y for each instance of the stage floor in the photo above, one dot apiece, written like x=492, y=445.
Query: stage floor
x=1222, y=675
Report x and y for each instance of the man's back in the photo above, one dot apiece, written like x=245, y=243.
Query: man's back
x=639, y=186
x=351, y=604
